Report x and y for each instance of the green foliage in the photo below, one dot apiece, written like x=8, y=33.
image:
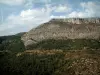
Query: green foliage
x=67, y=62
x=31, y=64
x=70, y=44
x=54, y=64
x=11, y=43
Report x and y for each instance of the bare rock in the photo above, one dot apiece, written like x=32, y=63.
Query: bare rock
x=70, y=28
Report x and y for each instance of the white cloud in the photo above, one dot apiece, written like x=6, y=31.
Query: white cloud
x=75, y=14
x=52, y=16
x=89, y=9
x=27, y=3
x=62, y=8
x=26, y=19
x=12, y=2
x=45, y=1
x=92, y=8
x=30, y=18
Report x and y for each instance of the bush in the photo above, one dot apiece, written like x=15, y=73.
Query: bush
x=31, y=64
x=12, y=43
x=70, y=44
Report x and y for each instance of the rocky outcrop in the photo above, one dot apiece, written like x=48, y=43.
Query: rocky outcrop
x=72, y=28
x=79, y=20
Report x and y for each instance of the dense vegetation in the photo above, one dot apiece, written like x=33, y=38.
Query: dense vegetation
x=29, y=65
x=11, y=43
x=70, y=57
x=69, y=44
x=62, y=63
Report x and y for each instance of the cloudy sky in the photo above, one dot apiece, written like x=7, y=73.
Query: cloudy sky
x=22, y=15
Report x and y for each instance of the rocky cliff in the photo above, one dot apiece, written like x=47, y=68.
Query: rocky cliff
x=70, y=28
x=79, y=20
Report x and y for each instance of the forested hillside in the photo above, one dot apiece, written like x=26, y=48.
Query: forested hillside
x=12, y=43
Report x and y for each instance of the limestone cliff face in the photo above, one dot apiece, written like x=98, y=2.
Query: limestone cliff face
x=73, y=28
x=79, y=20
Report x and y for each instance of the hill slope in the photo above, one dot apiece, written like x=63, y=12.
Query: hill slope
x=12, y=43
x=51, y=62
x=63, y=29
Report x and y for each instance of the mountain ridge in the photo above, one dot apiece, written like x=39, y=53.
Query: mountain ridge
x=70, y=28
x=79, y=20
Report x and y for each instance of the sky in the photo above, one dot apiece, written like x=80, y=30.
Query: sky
x=23, y=15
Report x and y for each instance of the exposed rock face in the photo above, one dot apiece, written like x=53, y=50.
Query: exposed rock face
x=73, y=28
x=79, y=20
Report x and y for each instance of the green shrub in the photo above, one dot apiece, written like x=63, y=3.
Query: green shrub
x=12, y=43
x=31, y=64
x=70, y=44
